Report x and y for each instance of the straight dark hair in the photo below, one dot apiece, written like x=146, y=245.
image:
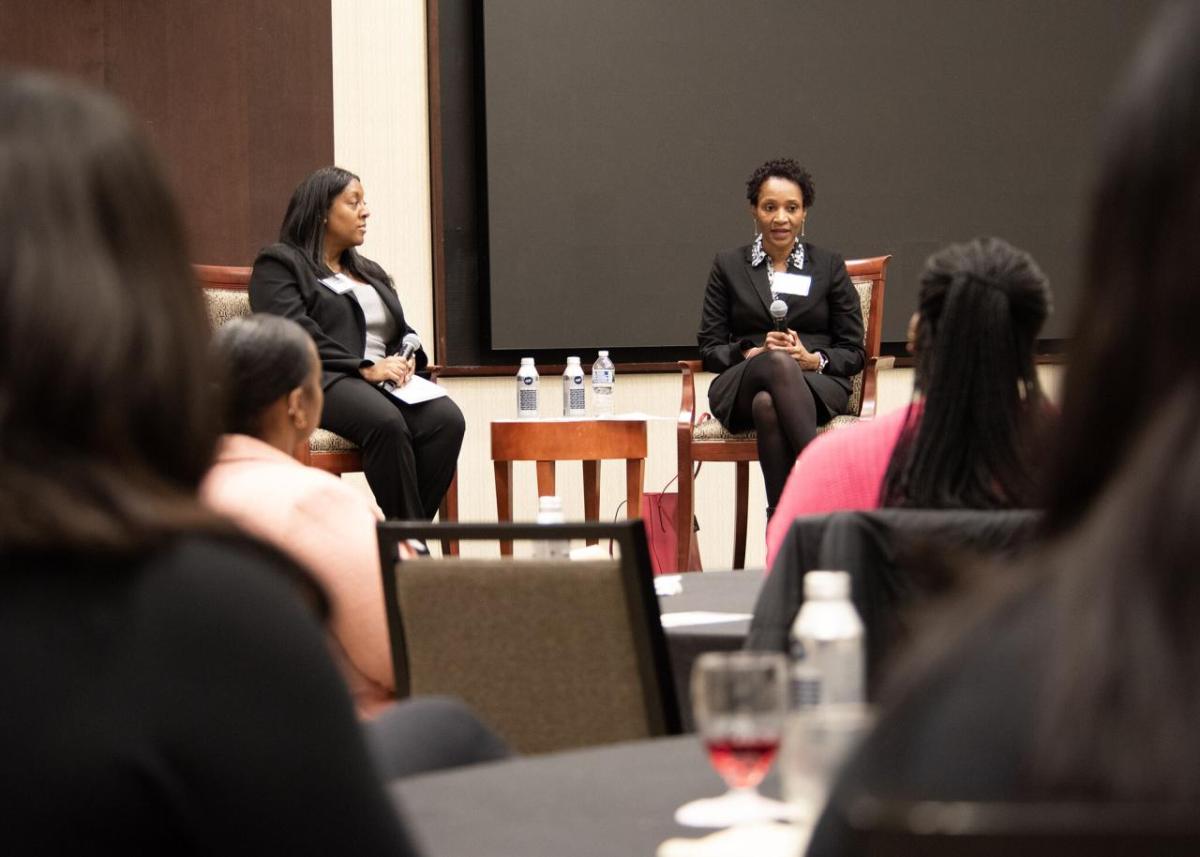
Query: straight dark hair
x=303, y=224
x=261, y=358
x=106, y=421
x=1119, y=695
x=968, y=440
x=1123, y=494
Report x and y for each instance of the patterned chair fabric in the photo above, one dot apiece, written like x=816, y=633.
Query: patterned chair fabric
x=224, y=305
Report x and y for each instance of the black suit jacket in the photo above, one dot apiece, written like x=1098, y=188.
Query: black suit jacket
x=736, y=316
x=286, y=283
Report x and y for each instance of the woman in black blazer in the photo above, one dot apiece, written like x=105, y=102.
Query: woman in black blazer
x=781, y=380
x=348, y=305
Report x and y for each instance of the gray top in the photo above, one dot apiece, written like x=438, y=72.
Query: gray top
x=380, y=325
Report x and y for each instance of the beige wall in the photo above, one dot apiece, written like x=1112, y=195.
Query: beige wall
x=380, y=131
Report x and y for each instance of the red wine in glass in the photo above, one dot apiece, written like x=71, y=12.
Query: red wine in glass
x=742, y=763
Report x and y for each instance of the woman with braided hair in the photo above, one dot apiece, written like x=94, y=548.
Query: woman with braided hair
x=967, y=439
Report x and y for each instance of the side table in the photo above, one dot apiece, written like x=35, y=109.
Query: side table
x=550, y=440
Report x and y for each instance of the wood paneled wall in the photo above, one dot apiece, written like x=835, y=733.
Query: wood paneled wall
x=236, y=94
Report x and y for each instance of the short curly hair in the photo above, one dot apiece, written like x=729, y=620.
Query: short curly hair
x=782, y=168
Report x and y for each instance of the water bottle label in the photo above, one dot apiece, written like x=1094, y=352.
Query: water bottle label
x=528, y=380
x=805, y=691
x=527, y=400
x=602, y=376
x=576, y=400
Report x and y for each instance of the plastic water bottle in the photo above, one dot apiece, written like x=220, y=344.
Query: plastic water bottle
x=574, y=397
x=829, y=664
x=604, y=378
x=550, y=511
x=527, y=389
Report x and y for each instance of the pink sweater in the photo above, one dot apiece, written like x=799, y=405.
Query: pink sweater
x=328, y=527
x=840, y=470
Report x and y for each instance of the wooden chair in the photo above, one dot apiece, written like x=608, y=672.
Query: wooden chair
x=705, y=439
x=226, y=295
x=1030, y=829
x=551, y=654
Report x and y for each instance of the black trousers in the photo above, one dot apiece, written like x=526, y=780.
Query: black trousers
x=409, y=451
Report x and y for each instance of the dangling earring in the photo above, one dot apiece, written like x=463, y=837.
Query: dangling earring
x=756, y=232
x=803, y=224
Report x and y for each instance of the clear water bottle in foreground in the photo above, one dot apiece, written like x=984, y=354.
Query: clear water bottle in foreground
x=574, y=397
x=550, y=511
x=829, y=662
x=527, y=389
x=604, y=379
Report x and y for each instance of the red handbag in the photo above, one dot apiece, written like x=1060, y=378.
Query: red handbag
x=660, y=515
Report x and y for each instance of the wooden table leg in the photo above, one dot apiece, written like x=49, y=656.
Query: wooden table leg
x=504, y=496
x=545, y=478
x=635, y=474
x=591, y=493
x=741, y=513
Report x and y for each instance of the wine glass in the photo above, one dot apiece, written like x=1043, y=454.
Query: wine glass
x=739, y=700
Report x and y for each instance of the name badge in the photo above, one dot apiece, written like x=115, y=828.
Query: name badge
x=791, y=284
x=339, y=284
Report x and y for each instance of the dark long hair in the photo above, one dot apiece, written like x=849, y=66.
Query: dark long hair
x=303, y=224
x=1119, y=695
x=260, y=358
x=106, y=422
x=969, y=442
x=1124, y=495
x=1137, y=341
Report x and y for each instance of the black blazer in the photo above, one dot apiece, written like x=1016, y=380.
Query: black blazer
x=286, y=283
x=736, y=316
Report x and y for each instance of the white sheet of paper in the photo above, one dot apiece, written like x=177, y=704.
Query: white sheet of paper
x=339, y=284
x=700, y=617
x=418, y=390
x=791, y=284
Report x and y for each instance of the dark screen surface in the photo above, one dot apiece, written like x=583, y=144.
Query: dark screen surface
x=619, y=136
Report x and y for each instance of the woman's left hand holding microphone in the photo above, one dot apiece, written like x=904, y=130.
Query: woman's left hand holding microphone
x=789, y=341
x=394, y=368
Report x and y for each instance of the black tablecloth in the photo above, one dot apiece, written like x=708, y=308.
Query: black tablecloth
x=603, y=801
x=713, y=591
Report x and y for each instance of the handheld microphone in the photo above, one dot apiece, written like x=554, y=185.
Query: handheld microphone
x=409, y=346
x=778, y=313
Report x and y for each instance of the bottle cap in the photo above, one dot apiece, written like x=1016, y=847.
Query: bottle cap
x=603, y=353
x=526, y=361
x=550, y=504
x=572, y=361
x=826, y=585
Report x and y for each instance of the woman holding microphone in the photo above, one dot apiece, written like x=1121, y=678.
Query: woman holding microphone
x=781, y=377
x=315, y=276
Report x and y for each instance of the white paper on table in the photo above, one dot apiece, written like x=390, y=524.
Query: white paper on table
x=667, y=584
x=700, y=617
x=418, y=390
x=764, y=839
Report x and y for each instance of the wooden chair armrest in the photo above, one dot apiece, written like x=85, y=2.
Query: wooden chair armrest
x=687, y=399
x=870, y=382
x=434, y=370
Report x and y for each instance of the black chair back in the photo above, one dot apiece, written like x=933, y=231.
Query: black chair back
x=877, y=548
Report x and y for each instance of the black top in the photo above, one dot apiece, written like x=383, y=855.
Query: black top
x=180, y=703
x=737, y=315
x=285, y=283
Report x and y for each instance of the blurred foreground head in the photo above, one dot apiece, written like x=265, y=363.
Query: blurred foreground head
x=106, y=424
x=1135, y=345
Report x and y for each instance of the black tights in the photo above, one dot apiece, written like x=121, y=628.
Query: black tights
x=775, y=397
